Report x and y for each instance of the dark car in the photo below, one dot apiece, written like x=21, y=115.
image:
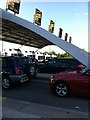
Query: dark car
x=58, y=65
x=16, y=69
x=67, y=83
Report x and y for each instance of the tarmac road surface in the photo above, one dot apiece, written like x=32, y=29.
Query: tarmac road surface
x=34, y=101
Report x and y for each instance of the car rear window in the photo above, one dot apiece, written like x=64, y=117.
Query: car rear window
x=21, y=61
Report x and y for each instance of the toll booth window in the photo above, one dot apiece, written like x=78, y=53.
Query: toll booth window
x=41, y=57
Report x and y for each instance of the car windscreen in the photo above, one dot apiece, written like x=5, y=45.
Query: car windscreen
x=84, y=70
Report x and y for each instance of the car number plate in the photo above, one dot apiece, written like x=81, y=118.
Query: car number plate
x=24, y=80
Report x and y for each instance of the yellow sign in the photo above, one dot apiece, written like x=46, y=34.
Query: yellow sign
x=13, y=5
x=38, y=17
x=51, y=26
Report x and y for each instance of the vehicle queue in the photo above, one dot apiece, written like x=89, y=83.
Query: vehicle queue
x=69, y=75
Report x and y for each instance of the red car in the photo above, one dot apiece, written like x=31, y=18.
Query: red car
x=67, y=83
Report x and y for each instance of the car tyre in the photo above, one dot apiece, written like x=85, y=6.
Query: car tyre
x=6, y=83
x=62, y=89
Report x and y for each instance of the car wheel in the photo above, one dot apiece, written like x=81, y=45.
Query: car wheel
x=62, y=89
x=6, y=84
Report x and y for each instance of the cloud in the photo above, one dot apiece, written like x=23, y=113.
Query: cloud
x=86, y=13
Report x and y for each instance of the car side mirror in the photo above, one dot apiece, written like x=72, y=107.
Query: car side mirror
x=88, y=73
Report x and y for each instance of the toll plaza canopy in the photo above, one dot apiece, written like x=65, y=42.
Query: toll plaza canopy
x=17, y=30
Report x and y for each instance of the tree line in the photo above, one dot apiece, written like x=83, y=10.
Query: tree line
x=59, y=55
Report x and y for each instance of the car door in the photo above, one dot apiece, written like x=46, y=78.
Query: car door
x=83, y=83
x=50, y=66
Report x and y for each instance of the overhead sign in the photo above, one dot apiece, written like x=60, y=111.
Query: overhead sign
x=60, y=32
x=38, y=17
x=51, y=26
x=13, y=5
x=70, y=39
x=66, y=36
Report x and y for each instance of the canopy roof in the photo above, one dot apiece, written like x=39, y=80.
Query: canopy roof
x=14, y=32
x=17, y=30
